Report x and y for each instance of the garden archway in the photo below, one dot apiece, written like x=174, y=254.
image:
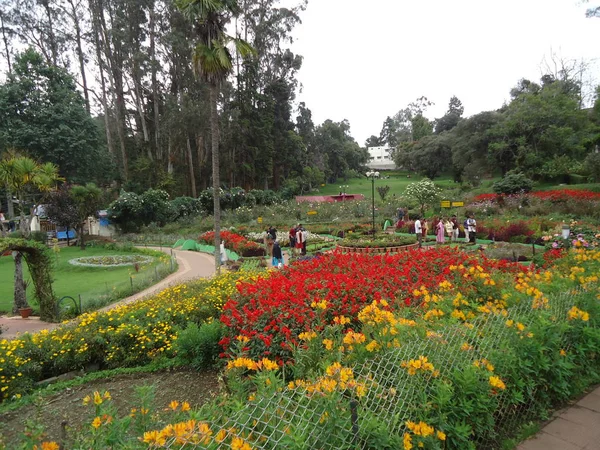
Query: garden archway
x=39, y=261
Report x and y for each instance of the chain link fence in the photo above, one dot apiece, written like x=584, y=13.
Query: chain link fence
x=292, y=418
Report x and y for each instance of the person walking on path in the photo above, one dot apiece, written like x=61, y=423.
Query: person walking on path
x=419, y=231
x=269, y=240
x=448, y=228
x=299, y=239
x=292, y=237
x=466, y=227
x=455, y=228
x=439, y=232
x=472, y=226
x=224, y=257
x=277, y=255
x=304, y=240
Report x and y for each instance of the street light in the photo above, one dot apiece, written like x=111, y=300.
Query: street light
x=372, y=175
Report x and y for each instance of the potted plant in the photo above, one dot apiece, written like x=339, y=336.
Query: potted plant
x=25, y=311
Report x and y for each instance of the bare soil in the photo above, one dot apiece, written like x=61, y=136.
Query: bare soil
x=182, y=385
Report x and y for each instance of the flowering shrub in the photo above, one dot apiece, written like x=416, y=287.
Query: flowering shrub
x=273, y=310
x=235, y=242
x=559, y=195
x=128, y=335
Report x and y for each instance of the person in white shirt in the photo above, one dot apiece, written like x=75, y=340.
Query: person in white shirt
x=419, y=231
x=472, y=225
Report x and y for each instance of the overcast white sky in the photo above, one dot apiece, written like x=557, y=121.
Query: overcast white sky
x=364, y=61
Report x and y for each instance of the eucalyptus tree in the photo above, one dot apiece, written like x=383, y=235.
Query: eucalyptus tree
x=213, y=62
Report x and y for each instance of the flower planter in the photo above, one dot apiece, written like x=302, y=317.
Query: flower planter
x=25, y=312
x=378, y=250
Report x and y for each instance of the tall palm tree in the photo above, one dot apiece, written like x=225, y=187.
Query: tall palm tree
x=212, y=61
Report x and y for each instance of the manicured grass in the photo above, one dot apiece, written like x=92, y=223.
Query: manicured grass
x=397, y=182
x=89, y=282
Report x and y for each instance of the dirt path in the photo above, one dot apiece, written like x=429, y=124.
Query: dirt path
x=192, y=265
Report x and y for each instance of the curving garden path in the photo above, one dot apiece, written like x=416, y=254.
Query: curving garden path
x=192, y=265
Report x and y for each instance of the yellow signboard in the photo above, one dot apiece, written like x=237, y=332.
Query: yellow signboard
x=259, y=220
x=458, y=204
x=311, y=213
x=445, y=203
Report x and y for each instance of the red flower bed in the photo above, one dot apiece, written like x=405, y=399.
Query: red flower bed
x=559, y=195
x=235, y=242
x=272, y=311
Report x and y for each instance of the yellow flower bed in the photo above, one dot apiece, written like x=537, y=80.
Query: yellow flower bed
x=127, y=335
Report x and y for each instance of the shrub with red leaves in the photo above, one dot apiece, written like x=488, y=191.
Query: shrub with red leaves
x=273, y=310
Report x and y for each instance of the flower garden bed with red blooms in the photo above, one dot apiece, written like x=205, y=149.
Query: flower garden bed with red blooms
x=235, y=242
x=269, y=313
x=559, y=195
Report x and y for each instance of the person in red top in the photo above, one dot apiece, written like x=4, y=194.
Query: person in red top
x=292, y=237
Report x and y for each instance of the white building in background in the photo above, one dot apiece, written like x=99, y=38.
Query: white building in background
x=380, y=158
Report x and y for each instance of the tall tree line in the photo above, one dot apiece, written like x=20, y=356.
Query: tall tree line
x=544, y=131
x=131, y=62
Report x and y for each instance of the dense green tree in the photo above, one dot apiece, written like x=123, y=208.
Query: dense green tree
x=340, y=150
x=541, y=128
x=449, y=120
x=43, y=114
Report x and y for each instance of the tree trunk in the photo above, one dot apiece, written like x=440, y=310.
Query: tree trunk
x=9, y=205
x=116, y=70
x=96, y=31
x=51, y=36
x=23, y=221
x=81, y=240
x=191, y=163
x=6, y=46
x=20, y=299
x=75, y=19
x=155, y=96
x=214, y=131
x=169, y=155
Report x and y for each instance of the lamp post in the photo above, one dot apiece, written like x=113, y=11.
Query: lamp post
x=372, y=175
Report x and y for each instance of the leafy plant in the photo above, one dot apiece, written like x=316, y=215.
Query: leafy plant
x=512, y=183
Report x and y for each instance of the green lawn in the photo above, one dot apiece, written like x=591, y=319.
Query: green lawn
x=89, y=282
x=397, y=182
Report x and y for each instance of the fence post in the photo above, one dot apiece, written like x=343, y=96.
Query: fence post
x=131, y=281
x=354, y=420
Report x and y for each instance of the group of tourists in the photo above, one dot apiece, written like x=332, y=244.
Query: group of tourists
x=446, y=226
x=298, y=237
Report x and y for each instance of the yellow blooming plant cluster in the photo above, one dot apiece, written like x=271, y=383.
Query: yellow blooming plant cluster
x=131, y=334
x=420, y=433
x=577, y=314
x=420, y=365
x=248, y=364
x=336, y=379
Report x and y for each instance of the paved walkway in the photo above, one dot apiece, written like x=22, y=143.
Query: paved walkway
x=574, y=428
x=192, y=265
